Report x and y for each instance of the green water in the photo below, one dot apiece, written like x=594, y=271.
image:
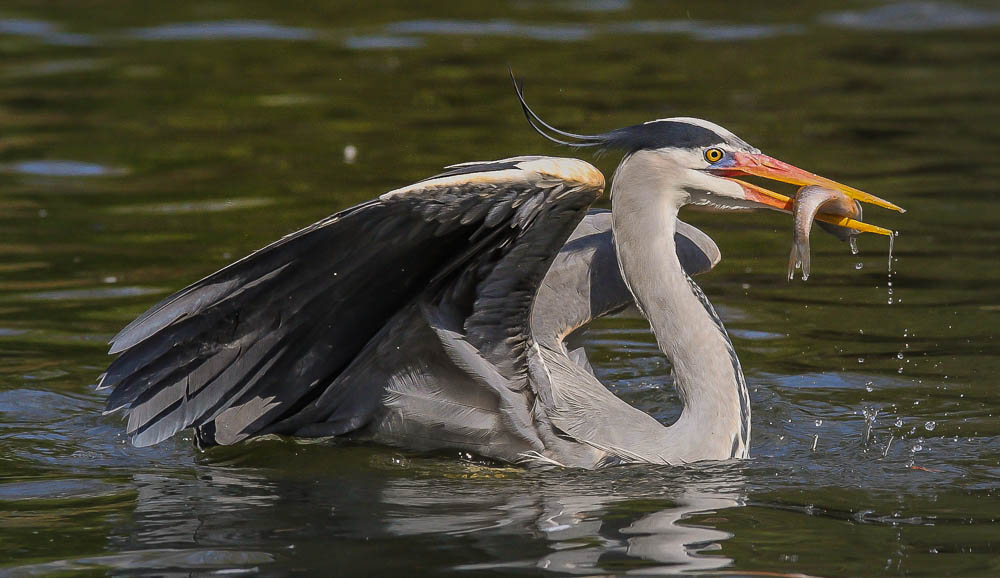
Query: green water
x=142, y=147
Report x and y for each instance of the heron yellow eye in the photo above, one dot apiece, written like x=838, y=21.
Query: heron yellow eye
x=714, y=155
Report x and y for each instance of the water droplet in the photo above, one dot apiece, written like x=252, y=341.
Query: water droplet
x=869, y=387
x=929, y=426
x=899, y=422
x=859, y=265
x=918, y=448
x=350, y=154
x=854, y=245
x=900, y=370
x=819, y=422
x=870, y=414
x=890, y=252
x=861, y=360
x=899, y=355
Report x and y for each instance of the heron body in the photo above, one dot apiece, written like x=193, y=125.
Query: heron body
x=446, y=327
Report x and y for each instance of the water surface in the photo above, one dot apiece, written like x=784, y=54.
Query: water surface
x=144, y=147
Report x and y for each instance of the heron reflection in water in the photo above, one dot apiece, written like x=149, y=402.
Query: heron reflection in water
x=435, y=316
x=671, y=521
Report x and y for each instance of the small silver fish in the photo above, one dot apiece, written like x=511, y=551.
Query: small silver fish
x=809, y=201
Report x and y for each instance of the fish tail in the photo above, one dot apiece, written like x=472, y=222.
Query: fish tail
x=799, y=258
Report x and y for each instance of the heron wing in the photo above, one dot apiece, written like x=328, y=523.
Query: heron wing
x=584, y=282
x=268, y=333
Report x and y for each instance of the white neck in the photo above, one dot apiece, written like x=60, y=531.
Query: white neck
x=715, y=421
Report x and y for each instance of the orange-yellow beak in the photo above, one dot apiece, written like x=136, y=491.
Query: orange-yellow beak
x=742, y=164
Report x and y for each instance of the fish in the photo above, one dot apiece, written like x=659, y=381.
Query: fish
x=809, y=201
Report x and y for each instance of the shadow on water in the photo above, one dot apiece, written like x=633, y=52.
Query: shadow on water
x=144, y=147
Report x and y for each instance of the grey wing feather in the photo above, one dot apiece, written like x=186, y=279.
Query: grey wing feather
x=572, y=394
x=696, y=250
x=584, y=282
x=253, y=344
x=579, y=357
x=499, y=324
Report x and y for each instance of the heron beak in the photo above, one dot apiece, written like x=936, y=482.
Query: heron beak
x=760, y=165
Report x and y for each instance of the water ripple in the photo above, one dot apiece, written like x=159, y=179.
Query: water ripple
x=381, y=42
x=224, y=29
x=703, y=31
x=915, y=16
x=54, y=67
x=555, y=32
x=95, y=293
x=62, y=168
x=596, y=5
x=42, y=30
x=193, y=207
x=57, y=489
x=221, y=561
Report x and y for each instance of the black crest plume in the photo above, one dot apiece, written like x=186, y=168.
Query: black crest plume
x=536, y=122
x=651, y=135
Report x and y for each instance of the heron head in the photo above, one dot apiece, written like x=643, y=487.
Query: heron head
x=704, y=162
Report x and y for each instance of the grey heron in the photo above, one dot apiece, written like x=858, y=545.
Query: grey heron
x=435, y=316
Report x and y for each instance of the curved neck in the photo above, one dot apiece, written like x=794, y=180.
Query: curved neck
x=715, y=421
